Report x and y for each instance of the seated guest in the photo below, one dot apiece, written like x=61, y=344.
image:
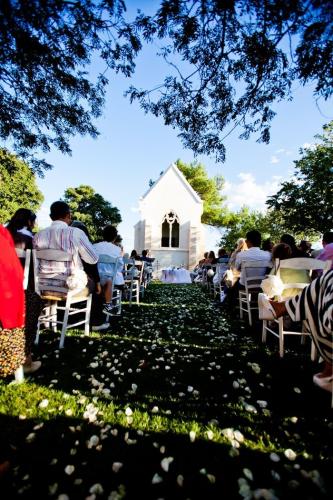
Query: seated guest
x=148, y=269
x=106, y=271
x=197, y=271
x=315, y=305
x=145, y=257
x=241, y=246
x=305, y=248
x=254, y=253
x=222, y=256
x=267, y=245
x=211, y=258
x=202, y=261
x=15, y=342
x=327, y=252
x=283, y=251
x=290, y=240
x=20, y=227
x=134, y=255
x=61, y=236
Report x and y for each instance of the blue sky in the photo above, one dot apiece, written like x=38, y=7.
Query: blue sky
x=133, y=148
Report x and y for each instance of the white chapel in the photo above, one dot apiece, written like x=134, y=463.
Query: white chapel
x=170, y=224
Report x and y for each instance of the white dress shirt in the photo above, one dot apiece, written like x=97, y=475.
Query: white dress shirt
x=60, y=236
x=253, y=253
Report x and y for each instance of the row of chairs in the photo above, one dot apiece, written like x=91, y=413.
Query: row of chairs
x=57, y=298
x=248, y=298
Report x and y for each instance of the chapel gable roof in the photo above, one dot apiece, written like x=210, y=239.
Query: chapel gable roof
x=182, y=179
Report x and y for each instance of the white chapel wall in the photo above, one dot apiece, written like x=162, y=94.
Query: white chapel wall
x=170, y=194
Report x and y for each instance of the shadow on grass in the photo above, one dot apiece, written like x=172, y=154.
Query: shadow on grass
x=202, y=469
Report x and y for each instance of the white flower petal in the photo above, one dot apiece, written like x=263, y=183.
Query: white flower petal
x=69, y=469
x=116, y=466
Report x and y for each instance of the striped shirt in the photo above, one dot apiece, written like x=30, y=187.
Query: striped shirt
x=60, y=236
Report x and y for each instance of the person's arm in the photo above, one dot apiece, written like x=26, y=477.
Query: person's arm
x=86, y=250
x=238, y=261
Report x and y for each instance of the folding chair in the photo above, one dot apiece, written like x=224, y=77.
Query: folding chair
x=54, y=296
x=253, y=272
x=300, y=263
x=115, y=293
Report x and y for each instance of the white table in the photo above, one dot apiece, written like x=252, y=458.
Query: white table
x=171, y=275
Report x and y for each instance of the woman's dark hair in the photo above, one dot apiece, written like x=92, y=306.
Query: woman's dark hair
x=281, y=251
x=110, y=233
x=267, y=245
x=20, y=219
x=290, y=240
x=134, y=253
x=211, y=255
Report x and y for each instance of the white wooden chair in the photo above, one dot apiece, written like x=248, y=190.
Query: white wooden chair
x=254, y=272
x=140, y=265
x=26, y=256
x=217, y=287
x=132, y=285
x=147, y=273
x=115, y=293
x=300, y=263
x=54, y=296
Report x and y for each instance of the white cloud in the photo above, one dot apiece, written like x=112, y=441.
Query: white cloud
x=135, y=209
x=274, y=159
x=250, y=193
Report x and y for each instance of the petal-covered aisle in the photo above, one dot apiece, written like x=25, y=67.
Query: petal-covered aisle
x=178, y=400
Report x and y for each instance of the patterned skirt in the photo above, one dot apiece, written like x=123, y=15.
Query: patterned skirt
x=315, y=305
x=16, y=343
x=12, y=350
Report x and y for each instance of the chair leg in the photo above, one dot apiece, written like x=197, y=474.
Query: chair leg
x=314, y=352
x=19, y=374
x=53, y=313
x=281, y=338
x=64, y=324
x=248, y=307
x=37, y=332
x=240, y=307
x=264, y=333
x=87, y=319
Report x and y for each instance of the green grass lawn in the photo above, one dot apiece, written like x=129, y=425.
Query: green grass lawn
x=178, y=400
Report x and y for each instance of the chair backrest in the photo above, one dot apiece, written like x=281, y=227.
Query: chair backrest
x=48, y=254
x=26, y=256
x=303, y=263
x=112, y=264
x=129, y=271
x=254, y=272
x=140, y=265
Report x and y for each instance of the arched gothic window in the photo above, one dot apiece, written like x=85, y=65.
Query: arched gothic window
x=170, y=230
